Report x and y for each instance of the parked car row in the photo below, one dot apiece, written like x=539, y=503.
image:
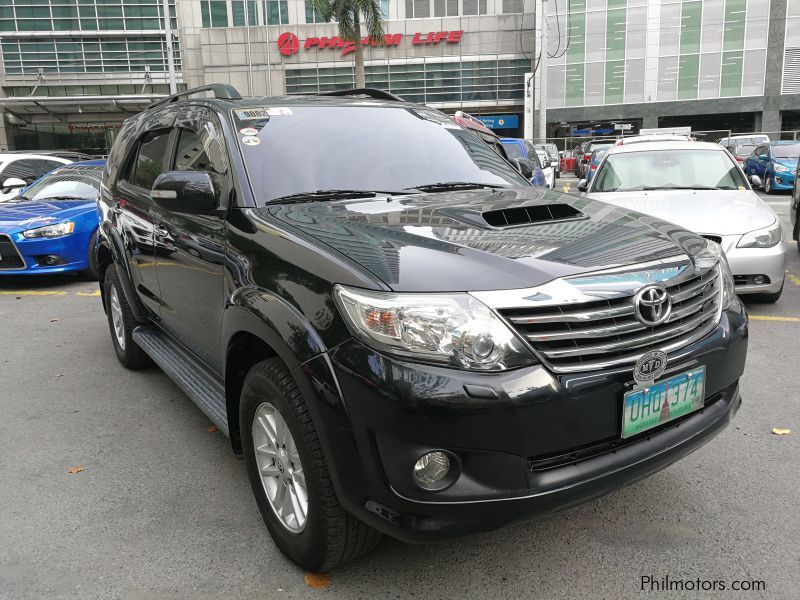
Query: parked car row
x=699, y=186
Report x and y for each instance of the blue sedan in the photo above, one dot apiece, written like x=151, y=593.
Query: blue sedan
x=775, y=163
x=51, y=226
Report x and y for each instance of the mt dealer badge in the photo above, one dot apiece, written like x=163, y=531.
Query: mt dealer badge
x=650, y=367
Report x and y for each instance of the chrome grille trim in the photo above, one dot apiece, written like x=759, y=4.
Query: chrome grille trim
x=587, y=322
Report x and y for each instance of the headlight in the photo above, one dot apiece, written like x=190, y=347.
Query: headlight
x=762, y=238
x=712, y=256
x=454, y=329
x=51, y=231
x=782, y=169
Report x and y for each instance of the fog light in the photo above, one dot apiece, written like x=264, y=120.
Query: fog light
x=759, y=280
x=431, y=468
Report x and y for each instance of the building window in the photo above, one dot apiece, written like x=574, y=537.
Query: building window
x=512, y=6
x=312, y=16
x=277, y=12
x=85, y=15
x=385, y=8
x=474, y=7
x=240, y=19
x=445, y=8
x=214, y=13
x=418, y=9
x=443, y=82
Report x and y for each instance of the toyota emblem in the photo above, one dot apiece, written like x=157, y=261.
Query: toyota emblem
x=652, y=304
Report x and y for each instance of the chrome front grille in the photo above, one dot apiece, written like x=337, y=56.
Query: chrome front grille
x=583, y=336
x=9, y=256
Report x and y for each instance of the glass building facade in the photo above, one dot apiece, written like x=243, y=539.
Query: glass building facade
x=634, y=51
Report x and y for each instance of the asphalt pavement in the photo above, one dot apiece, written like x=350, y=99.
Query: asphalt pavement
x=161, y=507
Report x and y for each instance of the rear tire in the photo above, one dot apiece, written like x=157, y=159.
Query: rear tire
x=329, y=536
x=121, y=323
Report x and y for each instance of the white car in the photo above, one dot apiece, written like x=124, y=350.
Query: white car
x=20, y=170
x=699, y=187
x=548, y=171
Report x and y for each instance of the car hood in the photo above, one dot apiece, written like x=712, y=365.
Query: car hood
x=718, y=212
x=442, y=242
x=28, y=214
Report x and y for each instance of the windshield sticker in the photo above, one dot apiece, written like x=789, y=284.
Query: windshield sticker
x=248, y=131
x=251, y=140
x=260, y=113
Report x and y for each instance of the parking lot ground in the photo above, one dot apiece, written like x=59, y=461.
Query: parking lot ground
x=162, y=508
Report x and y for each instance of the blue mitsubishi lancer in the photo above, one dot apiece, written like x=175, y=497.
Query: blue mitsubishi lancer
x=51, y=226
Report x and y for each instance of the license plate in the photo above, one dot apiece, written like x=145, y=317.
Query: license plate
x=662, y=402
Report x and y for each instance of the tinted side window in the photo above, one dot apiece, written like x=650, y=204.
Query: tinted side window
x=29, y=169
x=149, y=162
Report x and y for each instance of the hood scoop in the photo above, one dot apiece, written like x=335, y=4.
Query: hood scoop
x=531, y=215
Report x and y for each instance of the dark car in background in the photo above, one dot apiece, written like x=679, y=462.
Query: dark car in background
x=409, y=340
x=594, y=162
x=585, y=156
x=774, y=164
x=517, y=148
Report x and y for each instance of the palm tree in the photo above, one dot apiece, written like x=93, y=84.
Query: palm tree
x=349, y=14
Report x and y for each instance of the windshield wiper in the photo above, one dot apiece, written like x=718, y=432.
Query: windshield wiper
x=652, y=188
x=332, y=195
x=447, y=186
x=64, y=198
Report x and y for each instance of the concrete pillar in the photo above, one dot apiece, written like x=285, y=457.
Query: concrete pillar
x=770, y=121
x=3, y=134
x=650, y=120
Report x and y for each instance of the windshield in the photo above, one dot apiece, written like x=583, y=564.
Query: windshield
x=668, y=169
x=79, y=183
x=513, y=149
x=786, y=151
x=362, y=147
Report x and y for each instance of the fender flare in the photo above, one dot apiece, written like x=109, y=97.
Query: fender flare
x=278, y=323
x=111, y=240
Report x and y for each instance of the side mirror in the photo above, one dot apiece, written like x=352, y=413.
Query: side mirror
x=755, y=181
x=189, y=192
x=524, y=167
x=583, y=185
x=763, y=157
x=13, y=183
x=546, y=164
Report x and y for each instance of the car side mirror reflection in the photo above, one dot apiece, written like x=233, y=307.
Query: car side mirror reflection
x=524, y=167
x=583, y=185
x=188, y=192
x=13, y=183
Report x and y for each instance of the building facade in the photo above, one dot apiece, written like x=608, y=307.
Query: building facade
x=72, y=70
x=709, y=64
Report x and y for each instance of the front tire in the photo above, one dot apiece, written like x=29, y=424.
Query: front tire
x=121, y=322
x=767, y=183
x=282, y=448
x=92, y=273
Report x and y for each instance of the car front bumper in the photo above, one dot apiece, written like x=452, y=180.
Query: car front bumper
x=527, y=442
x=71, y=250
x=782, y=181
x=748, y=262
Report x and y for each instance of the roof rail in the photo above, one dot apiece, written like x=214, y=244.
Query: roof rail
x=371, y=92
x=222, y=91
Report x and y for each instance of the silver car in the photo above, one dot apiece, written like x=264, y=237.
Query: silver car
x=699, y=187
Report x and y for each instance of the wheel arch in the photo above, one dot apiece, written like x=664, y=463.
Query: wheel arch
x=258, y=325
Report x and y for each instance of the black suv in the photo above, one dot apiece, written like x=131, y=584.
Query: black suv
x=398, y=333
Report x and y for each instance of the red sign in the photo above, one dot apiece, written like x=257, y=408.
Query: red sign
x=289, y=44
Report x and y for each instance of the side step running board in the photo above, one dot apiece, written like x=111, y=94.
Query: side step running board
x=203, y=386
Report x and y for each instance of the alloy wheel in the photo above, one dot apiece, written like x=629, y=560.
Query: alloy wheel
x=279, y=467
x=116, y=317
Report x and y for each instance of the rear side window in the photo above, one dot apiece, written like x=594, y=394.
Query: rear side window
x=29, y=169
x=149, y=162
